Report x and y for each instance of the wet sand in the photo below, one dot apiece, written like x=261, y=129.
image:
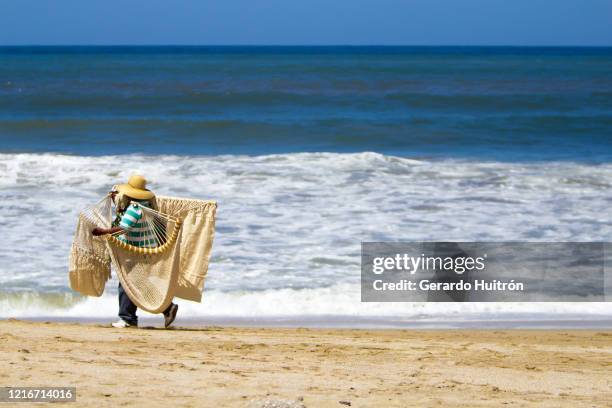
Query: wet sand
x=215, y=366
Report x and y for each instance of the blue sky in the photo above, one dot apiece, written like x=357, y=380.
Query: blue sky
x=324, y=22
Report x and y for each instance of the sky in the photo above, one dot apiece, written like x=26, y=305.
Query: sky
x=306, y=22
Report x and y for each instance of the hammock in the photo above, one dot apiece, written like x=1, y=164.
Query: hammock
x=173, y=265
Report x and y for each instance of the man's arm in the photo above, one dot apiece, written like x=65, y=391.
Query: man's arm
x=103, y=231
x=132, y=215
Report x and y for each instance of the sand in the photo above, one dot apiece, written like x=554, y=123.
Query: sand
x=256, y=367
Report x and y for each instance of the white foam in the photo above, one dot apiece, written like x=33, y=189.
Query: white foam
x=339, y=300
x=290, y=226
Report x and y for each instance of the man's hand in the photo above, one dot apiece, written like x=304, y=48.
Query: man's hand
x=99, y=231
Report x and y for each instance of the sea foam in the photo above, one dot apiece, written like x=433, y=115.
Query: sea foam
x=290, y=225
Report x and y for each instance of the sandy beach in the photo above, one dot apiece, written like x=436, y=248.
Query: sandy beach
x=218, y=366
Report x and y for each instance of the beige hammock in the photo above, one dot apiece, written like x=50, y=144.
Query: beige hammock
x=175, y=266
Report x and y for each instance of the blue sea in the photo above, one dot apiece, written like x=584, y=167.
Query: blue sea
x=309, y=151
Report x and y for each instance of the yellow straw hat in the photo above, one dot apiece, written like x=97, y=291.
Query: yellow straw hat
x=136, y=187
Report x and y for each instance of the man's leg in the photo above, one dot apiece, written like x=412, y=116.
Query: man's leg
x=170, y=314
x=127, y=309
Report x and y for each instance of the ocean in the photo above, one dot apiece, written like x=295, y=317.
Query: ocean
x=309, y=151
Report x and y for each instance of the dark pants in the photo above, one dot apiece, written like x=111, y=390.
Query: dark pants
x=127, y=308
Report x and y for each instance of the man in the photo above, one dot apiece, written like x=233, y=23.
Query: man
x=128, y=198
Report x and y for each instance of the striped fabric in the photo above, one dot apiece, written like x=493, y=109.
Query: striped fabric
x=137, y=233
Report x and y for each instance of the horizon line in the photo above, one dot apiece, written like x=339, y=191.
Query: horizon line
x=312, y=45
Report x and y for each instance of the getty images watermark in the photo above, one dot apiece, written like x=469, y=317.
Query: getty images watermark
x=486, y=272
